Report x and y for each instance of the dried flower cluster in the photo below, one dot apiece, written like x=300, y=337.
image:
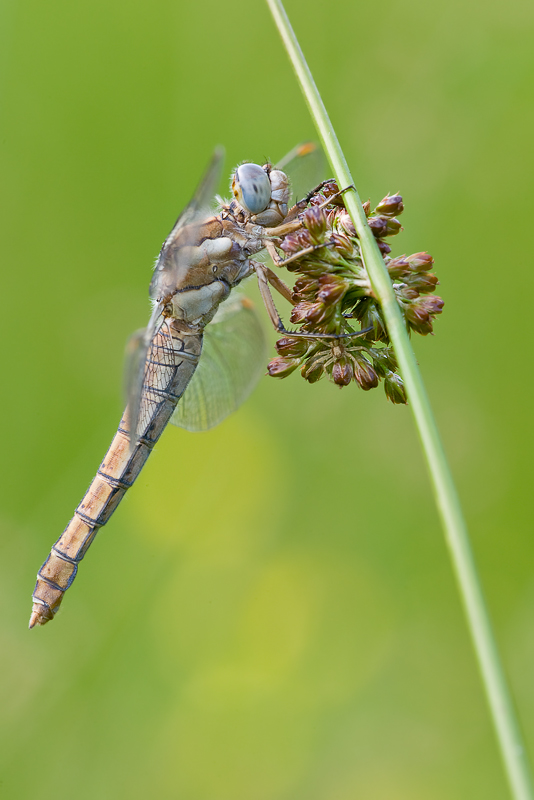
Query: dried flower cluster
x=333, y=290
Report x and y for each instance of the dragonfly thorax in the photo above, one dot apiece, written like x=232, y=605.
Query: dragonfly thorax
x=196, y=307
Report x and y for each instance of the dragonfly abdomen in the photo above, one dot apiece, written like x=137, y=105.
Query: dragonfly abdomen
x=176, y=355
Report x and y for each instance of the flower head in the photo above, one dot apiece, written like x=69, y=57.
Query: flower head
x=332, y=293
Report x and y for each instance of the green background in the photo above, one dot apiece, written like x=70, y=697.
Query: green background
x=271, y=614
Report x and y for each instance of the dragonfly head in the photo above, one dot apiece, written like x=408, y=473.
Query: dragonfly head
x=262, y=192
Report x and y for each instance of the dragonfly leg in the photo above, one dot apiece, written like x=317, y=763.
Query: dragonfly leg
x=290, y=223
x=315, y=191
x=332, y=197
x=301, y=206
x=320, y=336
x=276, y=282
x=283, y=229
x=266, y=296
x=263, y=283
x=282, y=262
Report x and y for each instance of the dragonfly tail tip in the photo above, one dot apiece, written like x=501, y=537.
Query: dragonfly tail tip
x=40, y=615
x=34, y=620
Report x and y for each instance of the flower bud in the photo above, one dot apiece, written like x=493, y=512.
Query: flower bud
x=316, y=313
x=281, y=367
x=384, y=247
x=312, y=372
x=390, y=205
x=378, y=225
x=299, y=312
x=406, y=292
x=314, y=220
x=343, y=245
x=305, y=288
x=347, y=224
x=331, y=293
x=380, y=364
x=364, y=374
x=331, y=217
x=290, y=245
x=420, y=262
x=292, y=348
x=394, y=388
x=330, y=277
x=422, y=281
x=386, y=357
x=369, y=315
x=367, y=207
x=329, y=189
x=432, y=303
x=304, y=239
x=398, y=267
x=418, y=317
x=416, y=312
x=342, y=371
x=393, y=227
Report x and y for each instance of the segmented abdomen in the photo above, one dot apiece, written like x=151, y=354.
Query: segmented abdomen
x=171, y=361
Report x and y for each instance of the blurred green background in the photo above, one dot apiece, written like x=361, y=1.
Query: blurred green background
x=271, y=614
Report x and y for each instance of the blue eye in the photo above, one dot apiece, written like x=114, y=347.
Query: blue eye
x=252, y=188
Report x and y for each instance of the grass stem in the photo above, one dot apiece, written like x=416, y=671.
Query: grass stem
x=493, y=678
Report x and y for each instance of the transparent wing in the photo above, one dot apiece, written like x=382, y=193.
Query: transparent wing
x=173, y=258
x=137, y=350
x=305, y=166
x=233, y=359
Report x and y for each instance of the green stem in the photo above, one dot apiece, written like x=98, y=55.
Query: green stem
x=494, y=681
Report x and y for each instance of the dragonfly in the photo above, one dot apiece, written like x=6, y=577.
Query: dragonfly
x=203, y=259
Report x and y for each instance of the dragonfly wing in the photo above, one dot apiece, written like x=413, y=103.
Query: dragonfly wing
x=136, y=358
x=305, y=166
x=232, y=361
x=172, y=259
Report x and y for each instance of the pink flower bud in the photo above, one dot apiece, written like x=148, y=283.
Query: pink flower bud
x=342, y=372
x=316, y=313
x=420, y=262
x=398, y=267
x=407, y=293
x=291, y=348
x=331, y=293
x=330, y=189
x=422, y=281
x=418, y=317
x=347, y=224
x=290, y=245
x=379, y=226
x=391, y=205
x=315, y=221
x=343, y=245
x=383, y=247
x=393, y=227
x=433, y=304
x=304, y=239
x=299, y=312
x=364, y=374
x=281, y=367
x=305, y=288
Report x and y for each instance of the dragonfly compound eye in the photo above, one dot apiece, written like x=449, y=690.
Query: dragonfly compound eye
x=252, y=188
